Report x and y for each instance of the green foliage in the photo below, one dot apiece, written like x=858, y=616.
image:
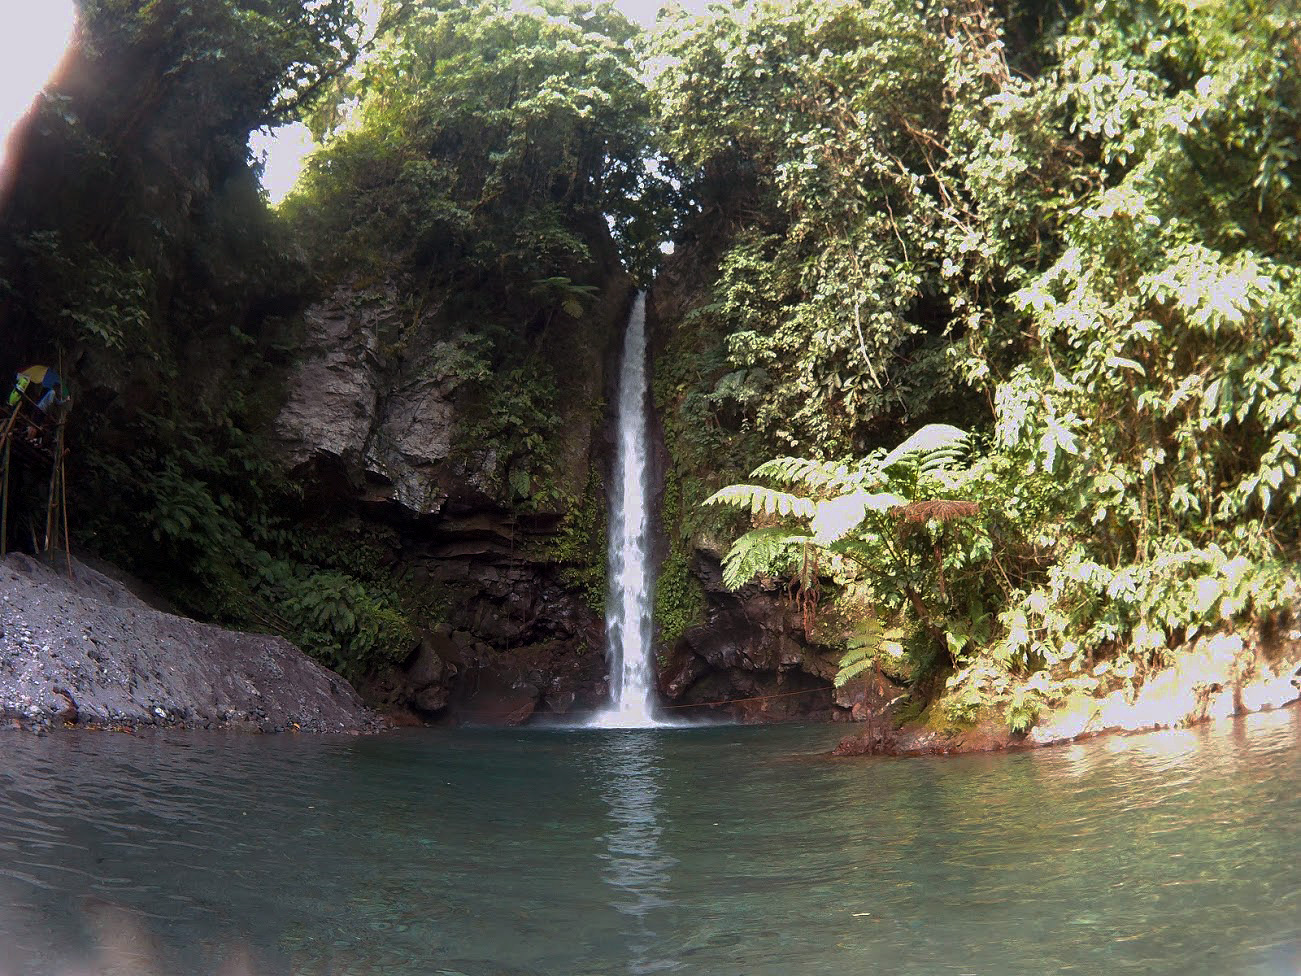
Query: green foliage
x=88, y=297
x=1103, y=244
x=485, y=136
x=1159, y=394
x=198, y=513
x=516, y=421
x=579, y=549
x=902, y=548
x=863, y=650
x=679, y=599
x=486, y=149
x=814, y=126
x=335, y=617
x=760, y=552
x=560, y=291
x=679, y=596
x=261, y=61
x=761, y=501
x=129, y=179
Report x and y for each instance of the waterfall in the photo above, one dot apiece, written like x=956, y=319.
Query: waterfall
x=628, y=599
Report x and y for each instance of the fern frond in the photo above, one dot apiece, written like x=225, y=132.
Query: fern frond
x=835, y=518
x=860, y=654
x=762, y=501
x=811, y=474
x=945, y=457
x=855, y=662
x=864, y=647
x=756, y=552
x=934, y=446
x=857, y=552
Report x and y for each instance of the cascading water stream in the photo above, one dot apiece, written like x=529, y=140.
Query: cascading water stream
x=628, y=602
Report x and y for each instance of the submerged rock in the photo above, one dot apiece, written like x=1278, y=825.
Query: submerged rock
x=81, y=649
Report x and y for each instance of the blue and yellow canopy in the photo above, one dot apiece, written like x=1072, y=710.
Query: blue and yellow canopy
x=42, y=376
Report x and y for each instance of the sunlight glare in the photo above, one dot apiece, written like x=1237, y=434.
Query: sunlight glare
x=31, y=45
x=283, y=152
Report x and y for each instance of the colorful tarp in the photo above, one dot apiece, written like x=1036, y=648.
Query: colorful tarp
x=41, y=377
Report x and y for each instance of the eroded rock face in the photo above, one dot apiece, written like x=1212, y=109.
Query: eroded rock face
x=750, y=653
x=515, y=633
x=454, y=676
x=362, y=424
x=412, y=438
x=378, y=424
x=84, y=650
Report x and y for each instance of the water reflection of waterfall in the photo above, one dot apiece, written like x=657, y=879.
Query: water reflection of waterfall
x=637, y=871
x=628, y=602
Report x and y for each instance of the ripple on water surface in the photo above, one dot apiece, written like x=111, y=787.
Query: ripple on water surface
x=707, y=851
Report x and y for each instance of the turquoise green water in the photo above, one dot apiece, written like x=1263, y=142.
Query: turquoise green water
x=731, y=851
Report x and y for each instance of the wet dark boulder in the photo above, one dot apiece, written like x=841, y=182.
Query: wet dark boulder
x=749, y=660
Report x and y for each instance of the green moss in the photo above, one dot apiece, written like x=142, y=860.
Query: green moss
x=579, y=547
x=679, y=597
x=934, y=715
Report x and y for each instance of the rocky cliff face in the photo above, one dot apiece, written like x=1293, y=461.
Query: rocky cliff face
x=747, y=649
x=750, y=651
x=507, y=560
x=361, y=422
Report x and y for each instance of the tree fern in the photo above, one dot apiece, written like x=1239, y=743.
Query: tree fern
x=757, y=552
x=831, y=519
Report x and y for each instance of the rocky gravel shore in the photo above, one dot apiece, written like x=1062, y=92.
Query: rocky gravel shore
x=79, y=648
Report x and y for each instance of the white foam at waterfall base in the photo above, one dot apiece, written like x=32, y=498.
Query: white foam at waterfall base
x=629, y=600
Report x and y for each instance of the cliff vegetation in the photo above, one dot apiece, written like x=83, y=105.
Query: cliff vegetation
x=1007, y=297
x=976, y=355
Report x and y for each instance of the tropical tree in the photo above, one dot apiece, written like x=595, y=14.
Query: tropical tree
x=1108, y=220
x=489, y=139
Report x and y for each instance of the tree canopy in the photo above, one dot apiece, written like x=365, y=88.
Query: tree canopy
x=483, y=135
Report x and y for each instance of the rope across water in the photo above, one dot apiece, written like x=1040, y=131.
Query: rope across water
x=716, y=704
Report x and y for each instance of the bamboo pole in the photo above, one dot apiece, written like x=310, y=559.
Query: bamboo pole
x=63, y=490
x=13, y=419
x=6, y=438
x=4, y=505
x=51, y=525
